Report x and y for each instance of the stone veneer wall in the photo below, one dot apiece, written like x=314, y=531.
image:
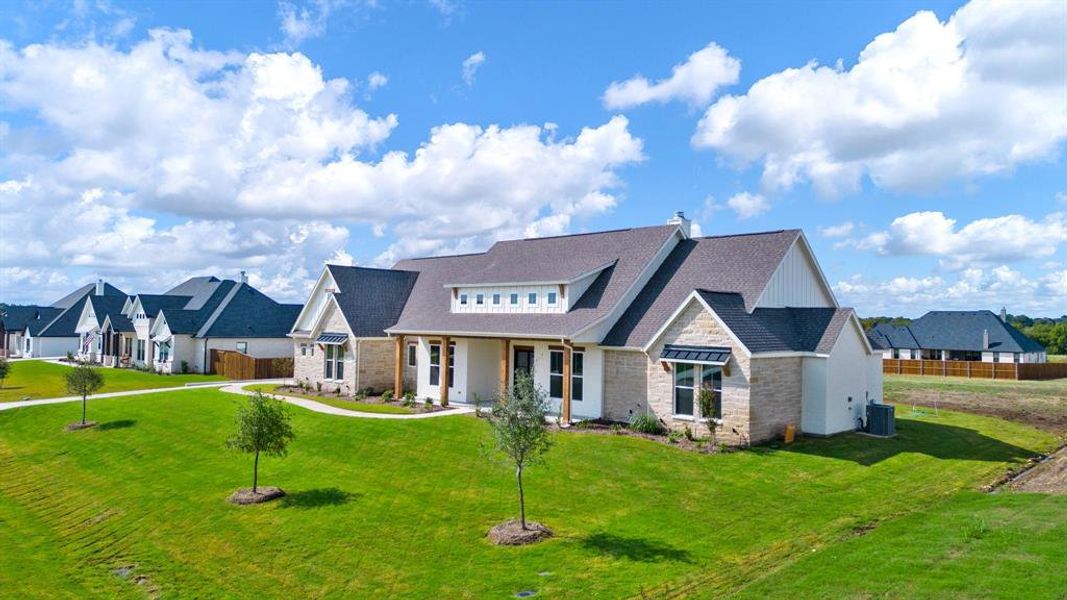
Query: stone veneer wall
x=376, y=360
x=311, y=367
x=776, y=396
x=695, y=326
x=625, y=384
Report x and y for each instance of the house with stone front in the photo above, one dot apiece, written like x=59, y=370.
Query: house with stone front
x=610, y=324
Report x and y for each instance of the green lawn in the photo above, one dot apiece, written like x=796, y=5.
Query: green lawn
x=339, y=402
x=399, y=508
x=976, y=546
x=38, y=379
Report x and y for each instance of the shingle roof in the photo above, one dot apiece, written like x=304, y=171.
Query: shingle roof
x=629, y=251
x=107, y=305
x=191, y=286
x=779, y=329
x=121, y=323
x=251, y=314
x=741, y=264
x=153, y=303
x=32, y=318
x=371, y=300
x=185, y=321
x=77, y=295
x=886, y=335
x=962, y=330
x=65, y=324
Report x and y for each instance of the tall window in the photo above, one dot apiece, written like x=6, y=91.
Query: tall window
x=164, y=352
x=711, y=380
x=555, y=375
x=435, y=364
x=684, y=378
x=140, y=349
x=334, y=362
x=411, y=355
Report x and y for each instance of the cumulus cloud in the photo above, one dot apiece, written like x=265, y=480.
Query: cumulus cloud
x=990, y=240
x=971, y=289
x=301, y=22
x=376, y=80
x=929, y=102
x=204, y=159
x=747, y=205
x=837, y=231
x=470, y=66
x=695, y=81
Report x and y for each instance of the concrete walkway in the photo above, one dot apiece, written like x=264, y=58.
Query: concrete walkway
x=237, y=387
x=326, y=409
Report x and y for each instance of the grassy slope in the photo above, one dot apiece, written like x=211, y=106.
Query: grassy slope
x=38, y=379
x=1056, y=388
x=385, y=508
x=353, y=405
x=976, y=546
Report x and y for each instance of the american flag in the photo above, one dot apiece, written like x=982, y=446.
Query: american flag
x=89, y=337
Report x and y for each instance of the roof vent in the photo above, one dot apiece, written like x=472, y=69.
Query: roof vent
x=680, y=220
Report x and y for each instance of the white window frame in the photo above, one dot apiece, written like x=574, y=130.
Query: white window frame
x=514, y=299
x=479, y=299
x=575, y=375
x=674, y=391
x=531, y=298
x=552, y=298
x=496, y=299
x=334, y=363
x=463, y=299
x=240, y=344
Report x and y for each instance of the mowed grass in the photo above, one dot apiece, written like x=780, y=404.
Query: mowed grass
x=1002, y=545
x=39, y=379
x=338, y=402
x=400, y=508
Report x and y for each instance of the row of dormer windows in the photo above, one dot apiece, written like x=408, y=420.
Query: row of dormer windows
x=513, y=299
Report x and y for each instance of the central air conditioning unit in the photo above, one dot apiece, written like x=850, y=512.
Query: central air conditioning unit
x=881, y=420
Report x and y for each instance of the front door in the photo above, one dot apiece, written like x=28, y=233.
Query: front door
x=524, y=361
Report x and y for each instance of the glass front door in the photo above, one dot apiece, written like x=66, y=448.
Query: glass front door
x=524, y=361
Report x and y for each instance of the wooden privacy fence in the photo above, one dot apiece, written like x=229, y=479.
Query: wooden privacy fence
x=235, y=365
x=974, y=369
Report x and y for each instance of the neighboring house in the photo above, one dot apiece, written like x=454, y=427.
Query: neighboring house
x=58, y=336
x=609, y=324
x=977, y=335
x=97, y=329
x=18, y=326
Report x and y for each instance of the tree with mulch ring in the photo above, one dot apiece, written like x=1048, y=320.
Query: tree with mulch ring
x=262, y=426
x=520, y=433
x=83, y=380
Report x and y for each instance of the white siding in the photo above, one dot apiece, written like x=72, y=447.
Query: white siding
x=850, y=373
x=318, y=301
x=54, y=347
x=796, y=282
x=813, y=395
x=505, y=306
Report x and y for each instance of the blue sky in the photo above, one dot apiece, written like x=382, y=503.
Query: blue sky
x=925, y=172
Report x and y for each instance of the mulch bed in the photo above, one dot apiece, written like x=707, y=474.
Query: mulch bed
x=419, y=407
x=511, y=533
x=79, y=425
x=264, y=494
x=601, y=427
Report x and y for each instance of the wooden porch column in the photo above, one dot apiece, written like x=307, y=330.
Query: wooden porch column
x=566, y=408
x=398, y=368
x=446, y=355
x=505, y=365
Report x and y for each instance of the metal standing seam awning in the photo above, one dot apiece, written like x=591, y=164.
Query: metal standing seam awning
x=707, y=355
x=332, y=338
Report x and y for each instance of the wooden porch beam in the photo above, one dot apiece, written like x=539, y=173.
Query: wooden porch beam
x=446, y=355
x=566, y=408
x=398, y=367
x=505, y=365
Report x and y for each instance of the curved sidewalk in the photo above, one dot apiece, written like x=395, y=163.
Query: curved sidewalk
x=61, y=400
x=333, y=410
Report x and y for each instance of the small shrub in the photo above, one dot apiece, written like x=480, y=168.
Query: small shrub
x=387, y=396
x=674, y=436
x=318, y=386
x=646, y=423
x=185, y=366
x=616, y=428
x=976, y=529
x=688, y=433
x=70, y=356
x=581, y=424
x=367, y=391
x=361, y=395
x=428, y=404
x=409, y=399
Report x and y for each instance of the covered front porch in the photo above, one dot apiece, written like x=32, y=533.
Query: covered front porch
x=475, y=370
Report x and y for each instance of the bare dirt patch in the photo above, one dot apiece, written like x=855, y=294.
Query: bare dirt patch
x=1049, y=477
x=511, y=533
x=79, y=425
x=1039, y=404
x=264, y=494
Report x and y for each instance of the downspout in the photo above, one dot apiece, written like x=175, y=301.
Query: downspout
x=356, y=367
x=204, y=370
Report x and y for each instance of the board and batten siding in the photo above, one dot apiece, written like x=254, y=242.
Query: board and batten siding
x=796, y=282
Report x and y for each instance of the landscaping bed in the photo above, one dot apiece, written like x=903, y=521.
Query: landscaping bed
x=675, y=439
x=364, y=403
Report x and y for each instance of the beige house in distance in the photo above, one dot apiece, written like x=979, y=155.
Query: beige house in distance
x=610, y=324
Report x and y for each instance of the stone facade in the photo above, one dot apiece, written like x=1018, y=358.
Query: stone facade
x=376, y=360
x=776, y=396
x=695, y=326
x=625, y=384
x=372, y=368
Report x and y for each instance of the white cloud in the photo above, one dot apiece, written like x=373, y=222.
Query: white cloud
x=470, y=66
x=376, y=80
x=695, y=81
x=972, y=289
x=301, y=22
x=222, y=160
x=837, y=231
x=747, y=205
x=924, y=104
x=997, y=239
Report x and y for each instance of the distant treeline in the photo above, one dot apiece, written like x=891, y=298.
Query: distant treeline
x=1049, y=332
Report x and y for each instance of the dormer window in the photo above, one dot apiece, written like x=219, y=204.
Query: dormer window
x=479, y=299
x=552, y=297
x=496, y=299
x=531, y=298
x=514, y=299
x=463, y=299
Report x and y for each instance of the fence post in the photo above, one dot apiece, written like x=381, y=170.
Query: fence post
x=968, y=369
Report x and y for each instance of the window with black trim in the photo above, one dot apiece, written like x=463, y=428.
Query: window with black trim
x=555, y=374
x=577, y=376
x=435, y=364
x=411, y=355
x=463, y=299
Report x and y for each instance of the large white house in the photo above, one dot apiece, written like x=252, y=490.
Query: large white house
x=610, y=324
x=49, y=331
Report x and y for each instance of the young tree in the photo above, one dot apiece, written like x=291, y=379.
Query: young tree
x=519, y=429
x=262, y=426
x=5, y=368
x=82, y=381
x=709, y=406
